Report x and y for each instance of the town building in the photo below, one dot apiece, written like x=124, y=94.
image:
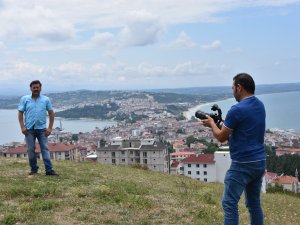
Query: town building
x=288, y=183
x=144, y=152
x=204, y=167
x=283, y=151
x=180, y=155
x=57, y=151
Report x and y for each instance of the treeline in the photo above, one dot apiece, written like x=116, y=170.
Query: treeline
x=129, y=117
x=174, y=98
x=9, y=102
x=103, y=112
x=284, y=164
x=211, y=147
x=176, y=109
x=94, y=111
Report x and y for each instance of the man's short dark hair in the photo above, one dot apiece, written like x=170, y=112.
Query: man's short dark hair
x=35, y=82
x=246, y=81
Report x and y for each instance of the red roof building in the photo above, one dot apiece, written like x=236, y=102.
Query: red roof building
x=57, y=151
x=201, y=167
x=181, y=155
x=282, y=151
x=202, y=158
x=288, y=183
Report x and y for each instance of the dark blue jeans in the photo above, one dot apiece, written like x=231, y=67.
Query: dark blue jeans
x=243, y=177
x=31, y=137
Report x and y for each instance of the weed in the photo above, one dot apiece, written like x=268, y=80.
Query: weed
x=92, y=193
x=9, y=219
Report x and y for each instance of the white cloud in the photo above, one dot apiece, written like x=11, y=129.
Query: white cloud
x=214, y=45
x=57, y=20
x=81, y=32
x=139, y=23
x=142, y=28
x=21, y=71
x=182, y=41
x=2, y=46
x=271, y=2
x=100, y=39
x=70, y=68
x=101, y=74
x=34, y=21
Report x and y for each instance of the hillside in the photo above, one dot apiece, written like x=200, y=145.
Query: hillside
x=217, y=91
x=192, y=95
x=98, y=97
x=91, y=193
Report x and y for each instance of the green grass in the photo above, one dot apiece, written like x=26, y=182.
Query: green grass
x=91, y=193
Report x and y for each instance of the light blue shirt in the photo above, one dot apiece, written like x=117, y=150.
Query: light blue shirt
x=35, y=111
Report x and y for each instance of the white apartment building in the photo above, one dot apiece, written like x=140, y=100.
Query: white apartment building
x=205, y=167
x=145, y=152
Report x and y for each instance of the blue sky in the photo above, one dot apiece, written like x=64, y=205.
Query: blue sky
x=142, y=44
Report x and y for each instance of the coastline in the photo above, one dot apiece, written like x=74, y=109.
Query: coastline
x=12, y=133
x=276, y=105
x=191, y=111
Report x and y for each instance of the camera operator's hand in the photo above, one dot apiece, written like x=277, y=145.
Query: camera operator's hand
x=222, y=134
x=209, y=122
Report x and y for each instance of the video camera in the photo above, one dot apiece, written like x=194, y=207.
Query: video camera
x=216, y=116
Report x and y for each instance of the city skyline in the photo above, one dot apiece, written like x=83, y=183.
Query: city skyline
x=100, y=45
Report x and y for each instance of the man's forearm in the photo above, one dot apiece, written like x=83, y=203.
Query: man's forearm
x=51, y=119
x=216, y=131
x=220, y=134
x=21, y=120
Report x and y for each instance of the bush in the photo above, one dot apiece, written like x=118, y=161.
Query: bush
x=140, y=166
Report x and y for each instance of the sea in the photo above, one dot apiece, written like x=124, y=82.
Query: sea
x=282, y=109
x=10, y=130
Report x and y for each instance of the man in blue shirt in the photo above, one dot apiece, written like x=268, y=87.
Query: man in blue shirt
x=244, y=128
x=33, y=126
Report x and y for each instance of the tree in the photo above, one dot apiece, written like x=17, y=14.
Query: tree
x=171, y=149
x=190, y=139
x=284, y=164
x=211, y=148
x=159, y=133
x=102, y=143
x=194, y=119
x=180, y=131
x=74, y=137
x=180, y=117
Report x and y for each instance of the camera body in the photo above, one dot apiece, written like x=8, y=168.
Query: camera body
x=217, y=117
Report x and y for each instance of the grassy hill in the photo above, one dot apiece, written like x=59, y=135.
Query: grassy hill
x=91, y=193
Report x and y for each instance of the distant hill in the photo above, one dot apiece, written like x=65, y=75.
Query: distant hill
x=225, y=90
x=97, y=97
x=93, y=193
x=178, y=95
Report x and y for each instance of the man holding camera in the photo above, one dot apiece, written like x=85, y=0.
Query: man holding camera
x=244, y=128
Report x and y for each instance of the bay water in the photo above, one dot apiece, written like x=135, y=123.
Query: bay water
x=10, y=129
x=282, y=109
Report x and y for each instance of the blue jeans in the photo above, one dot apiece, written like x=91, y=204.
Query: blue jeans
x=30, y=137
x=245, y=177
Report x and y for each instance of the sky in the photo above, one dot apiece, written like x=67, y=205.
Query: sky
x=146, y=44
